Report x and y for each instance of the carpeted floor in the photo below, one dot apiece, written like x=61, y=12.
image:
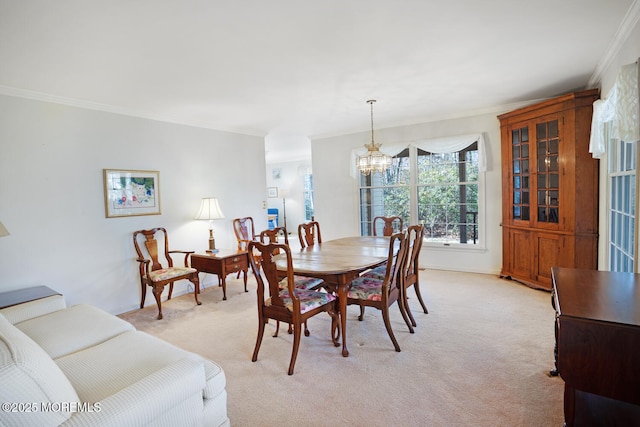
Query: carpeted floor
x=481, y=357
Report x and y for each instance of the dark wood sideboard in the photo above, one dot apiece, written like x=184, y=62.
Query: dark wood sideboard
x=598, y=345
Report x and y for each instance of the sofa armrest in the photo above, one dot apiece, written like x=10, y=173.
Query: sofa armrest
x=140, y=403
x=36, y=308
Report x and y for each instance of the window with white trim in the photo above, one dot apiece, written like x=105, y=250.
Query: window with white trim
x=429, y=185
x=622, y=205
x=448, y=195
x=615, y=132
x=307, y=194
x=386, y=194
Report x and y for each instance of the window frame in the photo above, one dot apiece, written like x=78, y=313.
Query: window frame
x=614, y=157
x=414, y=186
x=308, y=196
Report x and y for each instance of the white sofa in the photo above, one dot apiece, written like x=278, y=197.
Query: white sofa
x=81, y=366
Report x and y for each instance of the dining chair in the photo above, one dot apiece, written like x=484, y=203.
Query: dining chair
x=415, y=234
x=300, y=282
x=153, y=273
x=387, y=230
x=389, y=225
x=244, y=229
x=290, y=305
x=245, y=232
x=382, y=293
x=309, y=233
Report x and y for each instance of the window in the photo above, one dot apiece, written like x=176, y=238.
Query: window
x=307, y=185
x=439, y=190
x=615, y=120
x=622, y=204
x=385, y=194
x=448, y=195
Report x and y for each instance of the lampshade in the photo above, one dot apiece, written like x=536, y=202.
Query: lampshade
x=374, y=160
x=3, y=230
x=210, y=209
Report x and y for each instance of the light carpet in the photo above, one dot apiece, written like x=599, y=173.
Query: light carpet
x=481, y=357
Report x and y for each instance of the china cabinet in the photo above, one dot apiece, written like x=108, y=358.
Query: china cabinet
x=549, y=189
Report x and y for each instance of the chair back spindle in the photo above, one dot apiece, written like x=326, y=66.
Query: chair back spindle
x=390, y=225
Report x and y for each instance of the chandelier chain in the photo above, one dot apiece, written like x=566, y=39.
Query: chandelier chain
x=371, y=101
x=374, y=160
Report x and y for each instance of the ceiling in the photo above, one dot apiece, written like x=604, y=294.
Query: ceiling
x=303, y=68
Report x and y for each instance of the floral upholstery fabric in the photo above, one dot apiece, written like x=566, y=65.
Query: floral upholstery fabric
x=170, y=273
x=367, y=288
x=376, y=273
x=301, y=282
x=308, y=299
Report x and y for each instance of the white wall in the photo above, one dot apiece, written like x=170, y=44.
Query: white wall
x=52, y=200
x=336, y=193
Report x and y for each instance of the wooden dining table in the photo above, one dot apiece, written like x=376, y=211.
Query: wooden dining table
x=338, y=262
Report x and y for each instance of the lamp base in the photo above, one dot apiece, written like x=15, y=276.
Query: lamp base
x=212, y=244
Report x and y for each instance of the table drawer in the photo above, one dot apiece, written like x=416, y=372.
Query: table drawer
x=236, y=263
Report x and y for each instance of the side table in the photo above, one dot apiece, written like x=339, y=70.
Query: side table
x=222, y=263
x=20, y=296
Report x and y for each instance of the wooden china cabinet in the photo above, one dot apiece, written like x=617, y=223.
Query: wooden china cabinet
x=549, y=189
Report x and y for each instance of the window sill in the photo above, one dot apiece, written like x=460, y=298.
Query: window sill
x=458, y=247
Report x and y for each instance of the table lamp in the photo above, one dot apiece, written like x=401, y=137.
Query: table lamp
x=210, y=210
x=3, y=230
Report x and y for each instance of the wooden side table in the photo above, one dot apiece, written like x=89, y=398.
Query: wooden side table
x=223, y=263
x=20, y=296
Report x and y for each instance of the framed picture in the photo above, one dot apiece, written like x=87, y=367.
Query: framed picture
x=272, y=192
x=131, y=193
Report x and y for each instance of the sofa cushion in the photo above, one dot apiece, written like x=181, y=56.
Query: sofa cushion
x=27, y=375
x=169, y=397
x=102, y=370
x=28, y=310
x=73, y=329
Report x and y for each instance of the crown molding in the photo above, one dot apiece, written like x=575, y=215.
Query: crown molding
x=79, y=103
x=624, y=30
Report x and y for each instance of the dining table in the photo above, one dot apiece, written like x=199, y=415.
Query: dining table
x=338, y=262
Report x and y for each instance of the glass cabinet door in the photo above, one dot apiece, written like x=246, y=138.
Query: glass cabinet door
x=520, y=173
x=548, y=186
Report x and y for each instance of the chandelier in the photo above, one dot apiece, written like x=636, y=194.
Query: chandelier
x=374, y=160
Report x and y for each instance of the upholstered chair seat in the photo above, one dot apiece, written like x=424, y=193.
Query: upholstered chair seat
x=308, y=299
x=302, y=282
x=377, y=272
x=366, y=288
x=170, y=273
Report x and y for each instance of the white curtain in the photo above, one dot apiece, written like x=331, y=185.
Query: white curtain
x=621, y=110
x=453, y=144
x=450, y=144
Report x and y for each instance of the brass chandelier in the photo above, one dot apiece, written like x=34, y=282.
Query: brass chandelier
x=374, y=160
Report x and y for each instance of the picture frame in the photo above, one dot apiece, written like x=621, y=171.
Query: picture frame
x=131, y=193
x=272, y=192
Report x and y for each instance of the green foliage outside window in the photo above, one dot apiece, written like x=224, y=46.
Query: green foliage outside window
x=446, y=190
